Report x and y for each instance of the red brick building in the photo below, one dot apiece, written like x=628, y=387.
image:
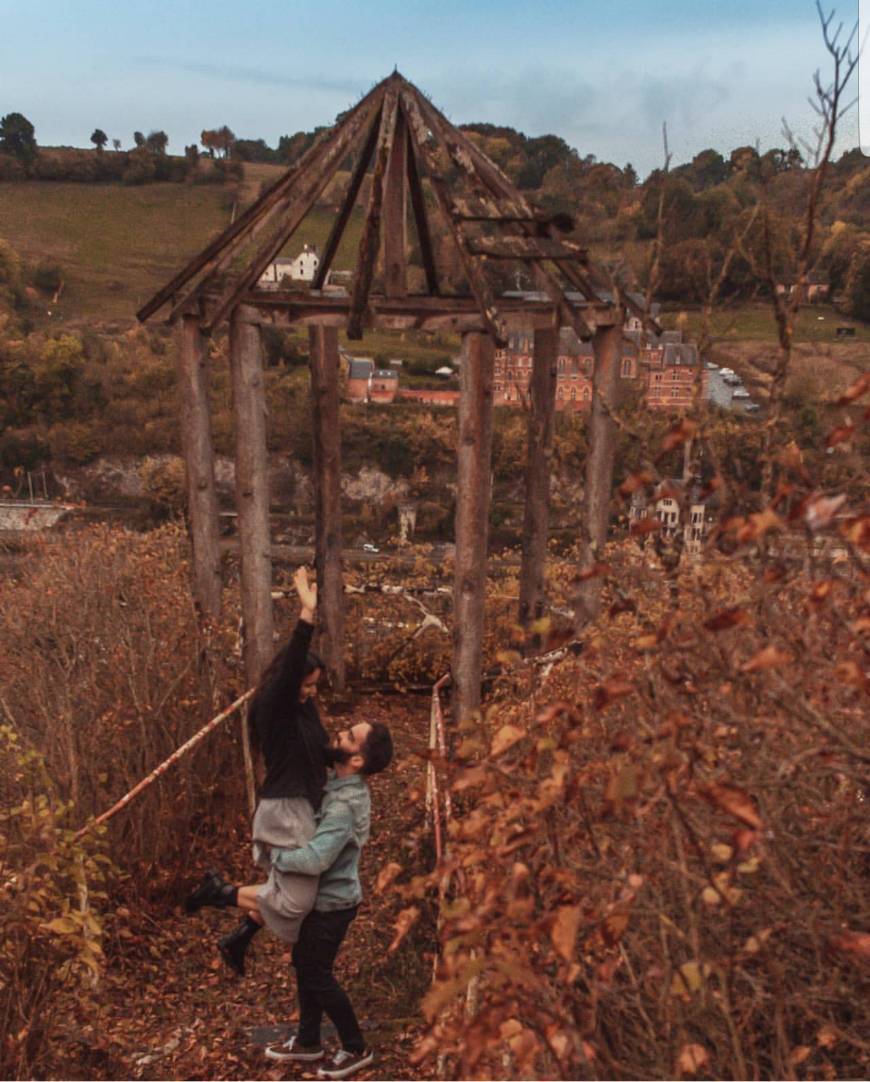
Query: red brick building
x=672, y=369
x=574, y=365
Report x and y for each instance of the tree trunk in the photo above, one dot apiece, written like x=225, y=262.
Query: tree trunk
x=324, y=360
x=202, y=505
x=474, y=456
x=539, y=454
x=599, y=465
x=252, y=492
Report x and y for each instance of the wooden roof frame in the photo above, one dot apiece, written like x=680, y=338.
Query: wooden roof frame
x=397, y=133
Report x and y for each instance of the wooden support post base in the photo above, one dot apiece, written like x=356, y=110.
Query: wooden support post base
x=252, y=492
x=474, y=460
x=324, y=359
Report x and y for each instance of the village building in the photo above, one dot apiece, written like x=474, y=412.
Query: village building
x=359, y=374
x=299, y=268
x=682, y=510
x=816, y=289
x=383, y=386
x=672, y=371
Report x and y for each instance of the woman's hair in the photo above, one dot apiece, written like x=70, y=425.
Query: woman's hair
x=313, y=662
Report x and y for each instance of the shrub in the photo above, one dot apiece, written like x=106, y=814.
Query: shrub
x=48, y=276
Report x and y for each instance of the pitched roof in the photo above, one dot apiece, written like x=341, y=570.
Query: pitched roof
x=400, y=142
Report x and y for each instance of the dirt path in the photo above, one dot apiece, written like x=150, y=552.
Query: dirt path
x=168, y=1008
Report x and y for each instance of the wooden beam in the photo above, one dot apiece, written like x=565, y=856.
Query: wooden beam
x=324, y=364
x=539, y=454
x=529, y=248
x=473, y=271
x=606, y=345
x=236, y=233
x=298, y=207
x=396, y=213
x=370, y=239
x=421, y=221
x=340, y=223
x=198, y=451
x=473, y=491
x=252, y=492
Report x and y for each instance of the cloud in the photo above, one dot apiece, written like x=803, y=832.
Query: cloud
x=347, y=86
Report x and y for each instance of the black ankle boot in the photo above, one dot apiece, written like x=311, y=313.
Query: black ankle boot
x=214, y=891
x=234, y=947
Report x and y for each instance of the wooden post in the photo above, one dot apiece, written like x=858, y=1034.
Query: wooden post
x=539, y=454
x=324, y=360
x=396, y=214
x=599, y=464
x=202, y=505
x=474, y=455
x=252, y=490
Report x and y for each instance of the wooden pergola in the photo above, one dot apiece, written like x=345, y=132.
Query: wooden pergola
x=412, y=155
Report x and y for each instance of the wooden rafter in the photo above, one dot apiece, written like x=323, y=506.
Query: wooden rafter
x=347, y=206
x=240, y=230
x=421, y=221
x=371, y=234
x=298, y=208
x=471, y=264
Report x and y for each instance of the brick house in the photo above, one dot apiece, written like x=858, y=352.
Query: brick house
x=574, y=366
x=383, y=385
x=672, y=369
x=359, y=374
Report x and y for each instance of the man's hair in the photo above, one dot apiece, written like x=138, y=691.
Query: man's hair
x=377, y=751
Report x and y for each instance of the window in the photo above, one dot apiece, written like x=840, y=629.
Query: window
x=573, y=394
x=560, y=393
x=586, y=394
x=626, y=366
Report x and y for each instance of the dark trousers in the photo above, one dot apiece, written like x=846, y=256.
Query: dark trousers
x=313, y=958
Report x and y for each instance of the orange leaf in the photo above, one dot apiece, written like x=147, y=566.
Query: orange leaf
x=734, y=801
x=387, y=874
x=404, y=923
x=613, y=926
x=610, y=690
x=855, y=944
x=771, y=657
x=798, y=1054
x=727, y=618
x=505, y=738
x=692, y=1058
x=564, y=930
x=855, y=390
x=819, y=512
x=841, y=434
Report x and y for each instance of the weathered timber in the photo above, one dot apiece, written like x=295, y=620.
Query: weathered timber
x=474, y=457
x=340, y=223
x=470, y=264
x=599, y=466
x=526, y=248
x=396, y=212
x=297, y=208
x=421, y=221
x=371, y=234
x=198, y=450
x=252, y=492
x=324, y=363
x=237, y=232
x=477, y=208
x=539, y=454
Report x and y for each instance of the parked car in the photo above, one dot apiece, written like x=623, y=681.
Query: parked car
x=367, y=547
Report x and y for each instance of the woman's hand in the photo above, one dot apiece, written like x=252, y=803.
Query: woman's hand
x=307, y=593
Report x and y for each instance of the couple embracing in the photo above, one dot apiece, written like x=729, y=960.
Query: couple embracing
x=311, y=823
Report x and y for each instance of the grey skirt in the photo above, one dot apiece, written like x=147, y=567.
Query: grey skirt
x=285, y=899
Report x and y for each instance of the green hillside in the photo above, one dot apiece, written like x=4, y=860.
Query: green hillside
x=117, y=244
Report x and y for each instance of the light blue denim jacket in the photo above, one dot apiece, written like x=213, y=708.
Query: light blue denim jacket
x=334, y=851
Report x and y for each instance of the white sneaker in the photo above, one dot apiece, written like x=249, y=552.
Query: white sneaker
x=292, y=1050
x=343, y=1064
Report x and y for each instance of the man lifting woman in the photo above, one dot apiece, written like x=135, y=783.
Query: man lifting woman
x=308, y=831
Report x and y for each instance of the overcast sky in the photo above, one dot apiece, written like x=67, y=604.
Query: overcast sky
x=603, y=75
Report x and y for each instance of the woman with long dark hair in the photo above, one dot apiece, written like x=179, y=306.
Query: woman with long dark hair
x=284, y=722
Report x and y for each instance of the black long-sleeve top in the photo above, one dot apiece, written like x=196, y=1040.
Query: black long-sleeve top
x=290, y=733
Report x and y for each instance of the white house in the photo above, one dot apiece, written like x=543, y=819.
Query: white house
x=300, y=268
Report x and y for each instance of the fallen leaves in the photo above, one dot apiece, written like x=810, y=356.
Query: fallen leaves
x=733, y=800
x=769, y=657
x=564, y=930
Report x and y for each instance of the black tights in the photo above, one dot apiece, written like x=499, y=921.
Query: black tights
x=314, y=956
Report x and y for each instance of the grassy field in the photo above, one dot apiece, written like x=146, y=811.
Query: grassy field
x=754, y=322
x=118, y=244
